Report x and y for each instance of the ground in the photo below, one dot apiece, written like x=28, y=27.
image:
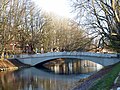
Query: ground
x=11, y=64
x=86, y=84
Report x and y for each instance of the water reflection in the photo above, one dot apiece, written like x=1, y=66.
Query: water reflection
x=34, y=79
x=37, y=79
x=72, y=66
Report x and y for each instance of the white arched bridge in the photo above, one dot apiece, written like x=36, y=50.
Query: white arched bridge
x=100, y=58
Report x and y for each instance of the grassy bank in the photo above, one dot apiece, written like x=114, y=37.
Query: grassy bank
x=107, y=80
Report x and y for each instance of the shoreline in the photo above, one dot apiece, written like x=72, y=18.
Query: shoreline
x=11, y=65
x=87, y=83
x=9, y=69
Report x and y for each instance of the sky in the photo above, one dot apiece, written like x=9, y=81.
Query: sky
x=59, y=7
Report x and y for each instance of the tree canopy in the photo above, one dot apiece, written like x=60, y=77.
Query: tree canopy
x=101, y=17
x=22, y=24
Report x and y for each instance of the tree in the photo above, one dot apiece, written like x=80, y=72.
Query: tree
x=103, y=18
x=22, y=24
x=62, y=33
x=16, y=24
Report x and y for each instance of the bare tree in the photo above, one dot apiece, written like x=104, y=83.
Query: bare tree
x=102, y=17
x=18, y=24
x=62, y=33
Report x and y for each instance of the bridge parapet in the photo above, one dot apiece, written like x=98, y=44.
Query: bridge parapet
x=50, y=54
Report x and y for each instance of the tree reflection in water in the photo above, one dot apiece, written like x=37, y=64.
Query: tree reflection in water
x=72, y=66
x=17, y=81
x=36, y=79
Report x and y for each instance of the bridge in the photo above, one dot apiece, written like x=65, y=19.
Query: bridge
x=100, y=58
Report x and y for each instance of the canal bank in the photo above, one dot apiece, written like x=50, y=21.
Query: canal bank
x=103, y=79
x=11, y=64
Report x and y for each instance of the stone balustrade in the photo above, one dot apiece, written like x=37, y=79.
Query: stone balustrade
x=50, y=54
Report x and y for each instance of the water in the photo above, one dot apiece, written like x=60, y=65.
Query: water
x=71, y=66
x=61, y=75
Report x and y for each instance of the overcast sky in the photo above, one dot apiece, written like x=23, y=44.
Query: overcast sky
x=59, y=7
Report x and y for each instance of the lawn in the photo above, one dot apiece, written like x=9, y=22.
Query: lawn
x=106, y=82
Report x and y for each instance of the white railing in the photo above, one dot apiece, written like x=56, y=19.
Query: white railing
x=50, y=54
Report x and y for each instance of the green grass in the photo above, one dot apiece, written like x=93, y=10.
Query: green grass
x=106, y=82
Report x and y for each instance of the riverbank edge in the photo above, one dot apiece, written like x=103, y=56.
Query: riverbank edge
x=8, y=65
x=91, y=81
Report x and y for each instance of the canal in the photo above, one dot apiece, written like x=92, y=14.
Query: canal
x=60, y=74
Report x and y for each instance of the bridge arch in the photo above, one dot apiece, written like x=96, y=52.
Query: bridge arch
x=40, y=61
x=67, y=61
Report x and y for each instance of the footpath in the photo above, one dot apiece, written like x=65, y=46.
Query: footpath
x=116, y=85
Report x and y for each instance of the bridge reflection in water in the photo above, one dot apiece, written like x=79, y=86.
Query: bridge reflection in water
x=71, y=66
x=38, y=79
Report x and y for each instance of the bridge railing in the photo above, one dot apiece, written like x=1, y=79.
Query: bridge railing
x=50, y=54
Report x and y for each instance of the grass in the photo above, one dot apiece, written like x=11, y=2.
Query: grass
x=107, y=80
